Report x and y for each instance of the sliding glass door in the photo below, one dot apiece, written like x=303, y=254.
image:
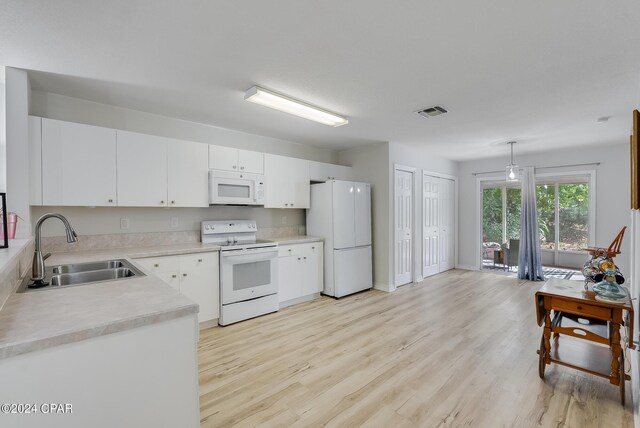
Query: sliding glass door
x=565, y=218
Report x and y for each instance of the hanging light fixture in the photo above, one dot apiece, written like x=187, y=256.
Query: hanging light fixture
x=512, y=168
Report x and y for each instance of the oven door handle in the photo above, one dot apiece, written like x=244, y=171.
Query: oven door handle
x=250, y=257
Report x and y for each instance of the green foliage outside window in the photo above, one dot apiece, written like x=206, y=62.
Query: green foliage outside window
x=573, y=214
x=492, y=215
x=546, y=202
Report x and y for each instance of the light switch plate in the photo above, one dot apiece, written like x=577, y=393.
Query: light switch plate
x=124, y=223
x=174, y=222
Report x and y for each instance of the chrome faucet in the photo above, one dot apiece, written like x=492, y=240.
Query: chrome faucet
x=37, y=269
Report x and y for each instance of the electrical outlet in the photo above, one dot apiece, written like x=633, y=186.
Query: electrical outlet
x=124, y=223
x=174, y=222
x=284, y=219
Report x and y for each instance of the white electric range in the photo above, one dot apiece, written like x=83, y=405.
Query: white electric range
x=248, y=269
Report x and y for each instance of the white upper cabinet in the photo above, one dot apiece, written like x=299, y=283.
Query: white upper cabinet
x=252, y=162
x=286, y=182
x=188, y=170
x=35, y=160
x=142, y=170
x=230, y=159
x=78, y=164
x=320, y=171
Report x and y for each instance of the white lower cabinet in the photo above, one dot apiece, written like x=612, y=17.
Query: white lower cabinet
x=194, y=275
x=300, y=273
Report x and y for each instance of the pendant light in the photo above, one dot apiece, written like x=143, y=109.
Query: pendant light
x=512, y=168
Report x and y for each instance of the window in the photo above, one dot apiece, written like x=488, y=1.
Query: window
x=573, y=216
x=514, y=206
x=546, y=202
x=492, y=215
x=563, y=212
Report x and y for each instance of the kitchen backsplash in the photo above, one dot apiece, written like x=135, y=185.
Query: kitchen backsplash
x=56, y=244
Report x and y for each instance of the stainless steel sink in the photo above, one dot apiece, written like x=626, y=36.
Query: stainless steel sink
x=61, y=276
x=91, y=276
x=85, y=267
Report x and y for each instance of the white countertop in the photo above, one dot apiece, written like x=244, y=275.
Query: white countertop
x=41, y=319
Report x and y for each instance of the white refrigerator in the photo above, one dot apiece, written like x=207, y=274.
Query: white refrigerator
x=341, y=214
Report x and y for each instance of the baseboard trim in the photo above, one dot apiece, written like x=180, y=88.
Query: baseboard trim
x=208, y=324
x=467, y=267
x=384, y=287
x=299, y=300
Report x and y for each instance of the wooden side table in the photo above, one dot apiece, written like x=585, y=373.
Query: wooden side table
x=591, y=328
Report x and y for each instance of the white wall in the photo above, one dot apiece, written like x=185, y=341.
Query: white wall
x=93, y=221
x=106, y=220
x=422, y=159
x=3, y=139
x=371, y=164
x=54, y=106
x=612, y=193
x=374, y=164
x=17, y=147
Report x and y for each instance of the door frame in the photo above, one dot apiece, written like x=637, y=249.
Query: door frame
x=414, y=226
x=455, y=209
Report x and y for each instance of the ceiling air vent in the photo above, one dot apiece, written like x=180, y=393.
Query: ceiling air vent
x=432, y=111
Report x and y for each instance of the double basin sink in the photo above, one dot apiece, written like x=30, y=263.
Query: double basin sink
x=59, y=276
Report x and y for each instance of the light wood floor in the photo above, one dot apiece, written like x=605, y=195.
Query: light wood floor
x=458, y=349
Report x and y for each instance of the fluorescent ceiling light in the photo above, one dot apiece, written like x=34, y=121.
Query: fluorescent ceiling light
x=283, y=103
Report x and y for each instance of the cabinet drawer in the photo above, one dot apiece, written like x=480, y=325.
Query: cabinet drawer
x=306, y=249
x=581, y=309
x=161, y=264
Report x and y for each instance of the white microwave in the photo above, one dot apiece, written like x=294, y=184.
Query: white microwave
x=235, y=188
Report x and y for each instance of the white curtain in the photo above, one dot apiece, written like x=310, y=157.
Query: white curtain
x=529, y=260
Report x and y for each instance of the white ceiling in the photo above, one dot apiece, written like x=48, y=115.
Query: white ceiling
x=540, y=72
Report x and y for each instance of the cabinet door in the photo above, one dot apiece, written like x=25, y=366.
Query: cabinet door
x=288, y=276
x=166, y=268
x=310, y=282
x=142, y=170
x=35, y=160
x=276, y=181
x=225, y=158
x=170, y=278
x=299, y=186
x=320, y=171
x=187, y=174
x=199, y=282
x=252, y=162
x=79, y=166
x=363, y=213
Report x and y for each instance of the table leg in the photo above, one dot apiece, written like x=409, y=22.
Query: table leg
x=547, y=336
x=615, y=354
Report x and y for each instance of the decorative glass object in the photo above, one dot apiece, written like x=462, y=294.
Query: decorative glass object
x=608, y=288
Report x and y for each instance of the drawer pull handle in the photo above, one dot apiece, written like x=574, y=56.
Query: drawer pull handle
x=184, y=274
x=305, y=258
x=173, y=276
x=200, y=260
x=156, y=265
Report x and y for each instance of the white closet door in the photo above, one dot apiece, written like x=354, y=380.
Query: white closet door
x=447, y=224
x=403, y=204
x=430, y=225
